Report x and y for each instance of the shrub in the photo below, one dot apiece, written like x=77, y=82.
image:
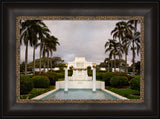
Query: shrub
x=51, y=75
x=135, y=83
x=129, y=77
x=53, y=78
x=90, y=73
x=70, y=73
x=114, y=81
x=26, y=84
x=120, y=74
x=99, y=76
x=60, y=75
x=41, y=81
x=117, y=81
x=123, y=80
x=107, y=77
x=26, y=76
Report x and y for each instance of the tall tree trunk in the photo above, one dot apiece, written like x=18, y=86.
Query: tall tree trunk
x=114, y=63
x=26, y=58
x=44, y=63
x=133, y=63
x=51, y=63
x=133, y=60
x=120, y=56
x=48, y=62
x=126, y=68
x=40, y=58
x=34, y=48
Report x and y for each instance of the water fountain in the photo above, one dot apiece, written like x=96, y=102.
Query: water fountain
x=79, y=85
x=80, y=78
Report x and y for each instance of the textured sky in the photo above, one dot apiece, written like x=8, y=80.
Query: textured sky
x=79, y=38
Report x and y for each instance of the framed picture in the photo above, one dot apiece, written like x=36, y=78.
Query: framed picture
x=80, y=81
x=93, y=59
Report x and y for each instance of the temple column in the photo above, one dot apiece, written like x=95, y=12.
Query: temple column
x=66, y=79
x=86, y=73
x=94, y=78
x=73, y=75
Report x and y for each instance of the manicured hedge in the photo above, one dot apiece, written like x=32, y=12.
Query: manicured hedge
x=135, y=83
x=90, y=73
x=60, y=75
x=107, y=77
x=119, y=73
x=26, y=84
x=53, y=76
x=118, y=81
x=99, y=76
x=129, y=77
x=26, y=76
x=41, y=81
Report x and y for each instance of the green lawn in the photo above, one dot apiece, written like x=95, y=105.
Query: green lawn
x=126, y=92
x=36, y=91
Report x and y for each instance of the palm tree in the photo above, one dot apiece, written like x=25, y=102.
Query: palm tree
x=130, y=28
x=42, y=35
x=26, y=35
x=34, y=48
x=134, y=23
x=49, y=46
x=49, y=50
x=112, y=48
x=26, y=39
x=54, y=43
x=118, y=33
x=125, y=48
x=134, y=43
x=44, y=50
x=37, y=30
x=127, y=30
x=30, y=29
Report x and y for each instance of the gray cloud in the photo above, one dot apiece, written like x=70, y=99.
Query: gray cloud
x=79, y=38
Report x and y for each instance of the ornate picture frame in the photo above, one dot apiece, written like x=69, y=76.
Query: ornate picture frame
x=146, y=107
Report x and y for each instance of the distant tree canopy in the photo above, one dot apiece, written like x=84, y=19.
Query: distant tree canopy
x=55, y=61
x=105, y=64
x=137, y=67
x=61, y=66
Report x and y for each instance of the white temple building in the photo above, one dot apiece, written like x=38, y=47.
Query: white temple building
x=80, y=78
x=80, y=69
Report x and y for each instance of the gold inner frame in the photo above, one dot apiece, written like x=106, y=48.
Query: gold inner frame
x=18, y=18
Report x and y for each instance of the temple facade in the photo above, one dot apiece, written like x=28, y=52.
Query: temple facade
x=79, y=66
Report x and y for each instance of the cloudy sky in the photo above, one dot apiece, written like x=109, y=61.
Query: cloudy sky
x=79, y=38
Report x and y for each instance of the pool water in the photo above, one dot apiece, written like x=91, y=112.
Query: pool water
x=79, y=94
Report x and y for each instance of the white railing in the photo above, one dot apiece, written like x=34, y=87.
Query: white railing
x=80, y=84
x=88, y=78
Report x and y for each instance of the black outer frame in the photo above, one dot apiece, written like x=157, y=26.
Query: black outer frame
x=147, y=9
